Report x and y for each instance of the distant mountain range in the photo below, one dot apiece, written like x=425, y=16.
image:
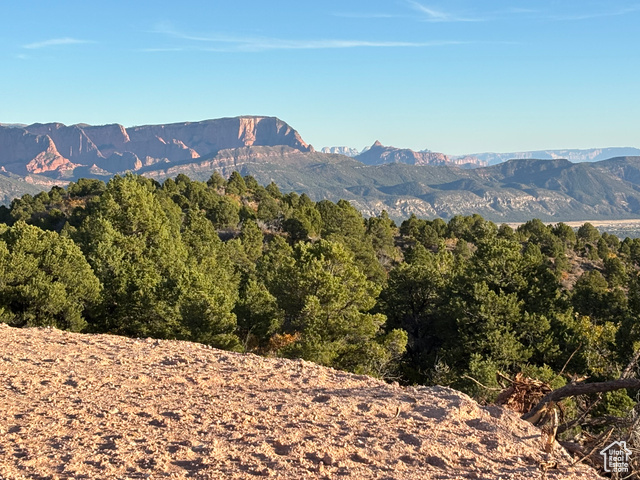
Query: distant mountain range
x=346, y=151
x=517, y=190
x=492, y=158
x=575, y=155
x=401, y=181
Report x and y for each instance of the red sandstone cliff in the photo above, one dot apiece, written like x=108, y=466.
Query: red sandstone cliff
x=72, y=141
x=53, y=147
x=208, y=137
x=22, y=152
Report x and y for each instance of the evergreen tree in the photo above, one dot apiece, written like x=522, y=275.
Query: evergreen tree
x=326, y=302
x=152, y=286
x=274, y=191
x=44, y=279
x=216, y=181
x=588, y=233
x=416, y=300
x=236, y=185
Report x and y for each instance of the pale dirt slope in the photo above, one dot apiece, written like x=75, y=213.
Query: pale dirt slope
x=98, y=406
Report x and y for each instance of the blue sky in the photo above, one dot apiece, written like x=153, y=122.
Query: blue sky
x=459, y=76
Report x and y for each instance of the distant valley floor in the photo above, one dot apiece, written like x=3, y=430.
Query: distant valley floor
x=621, y=228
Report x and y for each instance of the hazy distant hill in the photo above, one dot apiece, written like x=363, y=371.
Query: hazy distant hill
x=346, y=151
x=12, y=187
x=574, y=155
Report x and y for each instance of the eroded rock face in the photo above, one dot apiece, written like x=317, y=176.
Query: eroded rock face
x=72, y=142
x=379, y=154
x=109, y=139
x=22, y=152
x=53, y=147
x=210, y=136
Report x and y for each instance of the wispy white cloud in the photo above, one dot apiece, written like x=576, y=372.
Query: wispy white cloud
x=278, y=44
x=430, y=14
x=602, y=14
x=521, y=10
x=168, y=49
x=55, y=42
x=367, y=15
x=230, y=43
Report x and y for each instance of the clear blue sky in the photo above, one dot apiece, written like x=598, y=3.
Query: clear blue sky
x=458, y=76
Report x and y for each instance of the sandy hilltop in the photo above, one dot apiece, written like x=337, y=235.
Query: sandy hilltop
x=79, y=406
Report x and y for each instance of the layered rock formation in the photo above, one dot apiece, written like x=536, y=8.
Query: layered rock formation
x=379, y=154
x=22, y=152
x=71, y=142
x=55, y=149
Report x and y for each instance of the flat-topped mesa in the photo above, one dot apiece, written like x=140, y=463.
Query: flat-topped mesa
x=210, y=136
x=116, y=149
x=108, y=138
x=271, y=131
x=379, y=154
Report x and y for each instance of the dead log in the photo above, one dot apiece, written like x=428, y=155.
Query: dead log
x=574, y=389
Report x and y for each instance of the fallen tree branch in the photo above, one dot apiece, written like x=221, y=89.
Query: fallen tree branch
x=578, y=421
x=597, y=444
x=502, y=375
x=573, y=389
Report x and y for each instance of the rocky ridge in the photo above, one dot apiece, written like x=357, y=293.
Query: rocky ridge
x=57, y=149
x=379, y=154
x=400, y=181
x=100, y=406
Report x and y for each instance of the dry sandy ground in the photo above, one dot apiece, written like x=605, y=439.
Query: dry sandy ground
x=99, y=406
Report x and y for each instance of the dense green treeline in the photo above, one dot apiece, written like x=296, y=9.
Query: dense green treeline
x=244, y=267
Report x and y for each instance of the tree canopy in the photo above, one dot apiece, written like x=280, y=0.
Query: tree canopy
x=241, y=266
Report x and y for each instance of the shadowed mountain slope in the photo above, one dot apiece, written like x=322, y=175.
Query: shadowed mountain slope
x=553, y=190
